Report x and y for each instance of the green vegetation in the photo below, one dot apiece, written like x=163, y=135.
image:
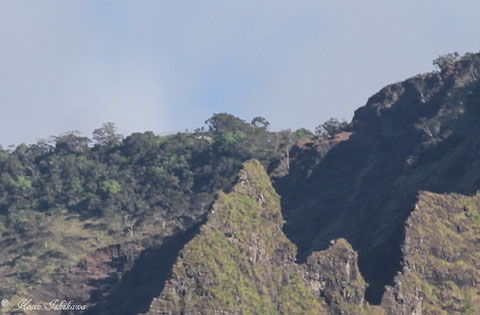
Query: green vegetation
x=21, y=184
x=116, y=190
x=443, y=254
x=73, y=205
x=108, y=188
x=234, y=264
x=415, y=135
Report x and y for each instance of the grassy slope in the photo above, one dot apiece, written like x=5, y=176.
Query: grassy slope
x=442, y=256
x=64, y=241
x=241, y=261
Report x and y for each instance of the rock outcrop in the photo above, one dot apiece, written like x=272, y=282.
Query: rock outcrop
x=415, y=135
x=241, y=262
x=334, y=275
x=441, y=264
x=381, y=218
x=90, y=281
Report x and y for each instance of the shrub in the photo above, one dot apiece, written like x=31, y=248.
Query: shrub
x=109, y=188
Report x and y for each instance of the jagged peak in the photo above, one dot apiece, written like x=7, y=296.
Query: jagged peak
x=240, y=261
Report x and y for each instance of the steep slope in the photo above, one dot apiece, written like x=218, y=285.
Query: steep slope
x=334, y=275
x=144, y=280
x=241, y=262
x=74, y=217
x=386, y=212
x=441, y=264
x=415, y=135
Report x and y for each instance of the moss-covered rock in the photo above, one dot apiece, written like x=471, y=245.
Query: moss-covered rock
x=240, y=262
x=441, y=267
x=334, y=275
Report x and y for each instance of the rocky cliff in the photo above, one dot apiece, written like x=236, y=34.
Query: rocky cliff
x=380, y=218
x=241, y=262
x=441, y=269
x=415, y=135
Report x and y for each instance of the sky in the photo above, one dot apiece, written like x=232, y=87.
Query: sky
x=167, y=66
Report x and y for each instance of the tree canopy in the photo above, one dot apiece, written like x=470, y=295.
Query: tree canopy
x=330, y=128
x=107, y=135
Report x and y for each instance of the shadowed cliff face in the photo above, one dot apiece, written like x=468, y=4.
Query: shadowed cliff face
x=415, y=135
x=146, y=279
x=395, y=192
x=241, y=262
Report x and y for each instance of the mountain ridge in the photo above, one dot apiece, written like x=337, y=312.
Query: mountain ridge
x=381, y=215
x=364, y=188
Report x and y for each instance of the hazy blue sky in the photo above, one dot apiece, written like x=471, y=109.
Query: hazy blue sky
x=169, y=65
